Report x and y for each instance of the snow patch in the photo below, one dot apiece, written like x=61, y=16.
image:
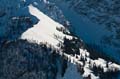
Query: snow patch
x=45, y=30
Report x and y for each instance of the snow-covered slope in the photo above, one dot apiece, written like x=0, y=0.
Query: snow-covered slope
x=51, y=41
x=45, y=30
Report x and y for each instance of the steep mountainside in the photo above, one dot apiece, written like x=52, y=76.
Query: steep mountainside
x=96, y=22
x=35, y=43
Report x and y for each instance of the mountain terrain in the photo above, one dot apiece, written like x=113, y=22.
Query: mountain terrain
x=39, y=40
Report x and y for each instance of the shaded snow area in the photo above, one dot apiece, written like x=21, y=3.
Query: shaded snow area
x=38, y=45
x=72, y=72
x=15, y=19
x=95, y=22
